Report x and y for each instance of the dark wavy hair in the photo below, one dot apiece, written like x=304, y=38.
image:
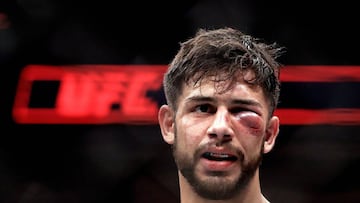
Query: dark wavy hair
x=220, y=54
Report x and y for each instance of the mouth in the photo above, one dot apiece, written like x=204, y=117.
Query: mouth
x=217, y=156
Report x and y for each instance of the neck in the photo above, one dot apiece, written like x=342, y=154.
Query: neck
x=251, y=193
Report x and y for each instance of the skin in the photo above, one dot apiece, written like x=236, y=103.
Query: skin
x=235, y=123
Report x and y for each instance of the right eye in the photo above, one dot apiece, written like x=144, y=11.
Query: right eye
x=204, y=108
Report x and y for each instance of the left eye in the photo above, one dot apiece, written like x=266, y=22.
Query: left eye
x=239, y=109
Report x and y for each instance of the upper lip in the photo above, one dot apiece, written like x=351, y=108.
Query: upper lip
x=220, y=150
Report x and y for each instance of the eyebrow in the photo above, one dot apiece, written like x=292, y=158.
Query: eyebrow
x=200, y=99
x=247, y=102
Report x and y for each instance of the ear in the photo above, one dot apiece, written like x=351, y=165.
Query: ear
x=166, y=122
x=272, y=132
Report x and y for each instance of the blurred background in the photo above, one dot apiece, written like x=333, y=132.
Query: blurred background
x=124, y=162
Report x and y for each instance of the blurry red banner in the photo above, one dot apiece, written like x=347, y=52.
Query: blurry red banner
x=338, y=116
x=320, y=74
x=131, y=94
x=87, y=92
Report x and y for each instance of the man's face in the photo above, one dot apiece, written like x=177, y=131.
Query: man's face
x=219, y=138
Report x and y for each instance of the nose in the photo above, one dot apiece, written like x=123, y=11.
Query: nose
x=220, y=127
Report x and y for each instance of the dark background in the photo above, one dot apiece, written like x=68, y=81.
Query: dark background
x=125, y=163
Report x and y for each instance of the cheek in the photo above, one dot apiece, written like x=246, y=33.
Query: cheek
x=189, y=132
x=252, y=122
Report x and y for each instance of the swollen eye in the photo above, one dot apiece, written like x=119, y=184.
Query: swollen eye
x=250, y=119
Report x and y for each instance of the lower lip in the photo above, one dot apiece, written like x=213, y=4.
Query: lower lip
x=217, y=165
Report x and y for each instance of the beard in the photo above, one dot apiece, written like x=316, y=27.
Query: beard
x=217, y=186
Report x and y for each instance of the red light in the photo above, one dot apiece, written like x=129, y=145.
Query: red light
x=103, y=94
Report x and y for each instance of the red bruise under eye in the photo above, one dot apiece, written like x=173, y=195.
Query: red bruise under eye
x=251, y=120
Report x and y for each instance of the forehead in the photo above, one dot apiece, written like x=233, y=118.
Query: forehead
x=222, y=79
x=224, y=89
